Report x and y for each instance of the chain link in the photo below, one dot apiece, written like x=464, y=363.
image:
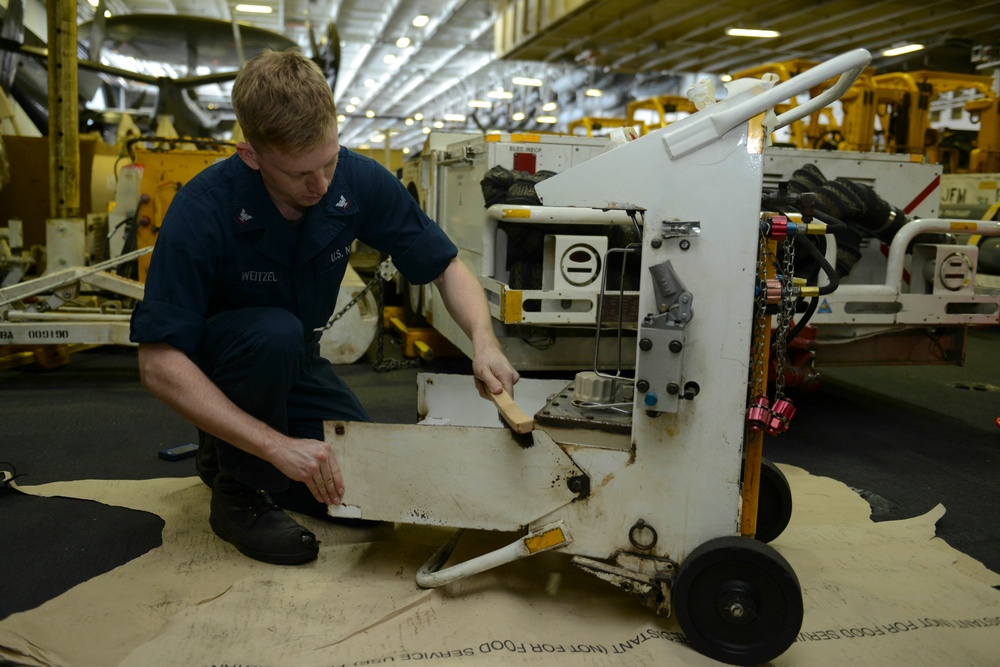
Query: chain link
x=382, y=275
x=759, y=355
x=786, y=310
x=383, y=365
x=350, y=304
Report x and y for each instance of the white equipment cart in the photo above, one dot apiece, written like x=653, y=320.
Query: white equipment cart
x=664, y=507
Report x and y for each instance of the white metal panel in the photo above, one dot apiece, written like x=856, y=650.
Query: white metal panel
x=969, y=195
x=451, y=397
x=462, y=214
x=911, y=310
x=461, y=207
x=684, y=480
x=448, y=475
x=95, y=332
x=905, y=181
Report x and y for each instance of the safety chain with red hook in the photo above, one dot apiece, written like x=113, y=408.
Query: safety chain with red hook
x=773, y=417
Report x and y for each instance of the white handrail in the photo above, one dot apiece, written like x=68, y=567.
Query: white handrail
x=901, y=242
x=717, y=122
x=818, y=75
x=912, y=229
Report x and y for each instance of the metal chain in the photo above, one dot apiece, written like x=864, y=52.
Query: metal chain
x=383, y=365
x=786, y=310
x=350, y=304
x=384, y=272
x=382, y=275
x=759, y=355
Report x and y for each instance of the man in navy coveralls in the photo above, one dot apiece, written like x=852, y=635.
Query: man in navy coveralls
x=247, y=266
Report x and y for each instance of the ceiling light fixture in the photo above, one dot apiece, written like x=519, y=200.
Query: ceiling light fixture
x=517, y=116
x=480, y=104
x=369, y=83
x=546, y=119
x=408, y=122
x=438, y=124
x=525, y=81
x=418, y=116
x=594, y=92
x=402, y=42
x=369, y=114
x=355, y=101
x=350, y=108
x=454, y=117
x=253, y=9
x=550, y=106
x=341, y=118
x=420, y=21
x=752, y=32
x=900, y=50
x=426, y=130
x=389, y=58
x=500, y=94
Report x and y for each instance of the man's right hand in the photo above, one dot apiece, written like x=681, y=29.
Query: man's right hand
x=312, y=463
x=171, y=376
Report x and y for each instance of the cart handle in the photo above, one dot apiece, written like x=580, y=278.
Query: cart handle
x=715, y=123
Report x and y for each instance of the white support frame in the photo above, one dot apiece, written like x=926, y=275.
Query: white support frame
x=53, y=324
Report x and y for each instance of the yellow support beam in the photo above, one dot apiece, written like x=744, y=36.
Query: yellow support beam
x=64, y=140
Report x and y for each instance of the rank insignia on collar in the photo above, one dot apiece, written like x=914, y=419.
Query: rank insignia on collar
x=343, y=203
x=244, y=216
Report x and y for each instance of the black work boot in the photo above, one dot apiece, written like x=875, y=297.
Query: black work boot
x=206, y=462
x=249, y=520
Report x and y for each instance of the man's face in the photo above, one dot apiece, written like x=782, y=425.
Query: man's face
x=294, y=181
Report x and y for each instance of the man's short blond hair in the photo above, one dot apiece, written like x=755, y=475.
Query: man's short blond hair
x=283, y=102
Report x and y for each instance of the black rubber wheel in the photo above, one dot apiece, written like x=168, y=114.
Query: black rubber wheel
x=738, y=601
x=774, y=502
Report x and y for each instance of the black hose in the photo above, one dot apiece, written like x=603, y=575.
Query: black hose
x=833, y=225
x=830, y=272
x=803, y=320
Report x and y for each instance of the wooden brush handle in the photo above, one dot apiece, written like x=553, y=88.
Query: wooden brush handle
x=511, y=413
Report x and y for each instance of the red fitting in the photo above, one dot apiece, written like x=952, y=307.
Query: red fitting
x=781, y=415
x=779, y=227
x=758, y=415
